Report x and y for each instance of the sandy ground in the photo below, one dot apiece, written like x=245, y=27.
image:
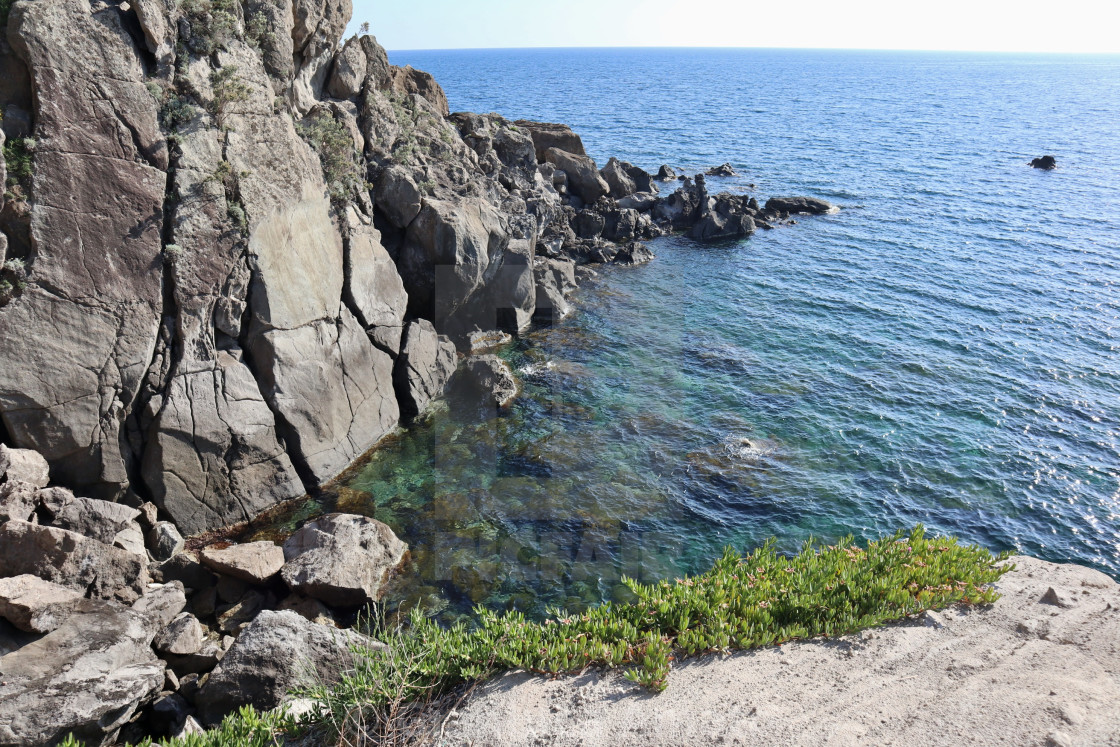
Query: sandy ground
x=1040, y=667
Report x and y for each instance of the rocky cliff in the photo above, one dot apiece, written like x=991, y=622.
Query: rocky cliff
x=221, y=222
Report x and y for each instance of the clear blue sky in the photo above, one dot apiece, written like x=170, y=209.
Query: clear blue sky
x=988, y=25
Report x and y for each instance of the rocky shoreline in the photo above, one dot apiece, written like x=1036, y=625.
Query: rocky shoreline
x=236, y=253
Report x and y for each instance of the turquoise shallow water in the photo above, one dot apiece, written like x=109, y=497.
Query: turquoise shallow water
x=944, y=350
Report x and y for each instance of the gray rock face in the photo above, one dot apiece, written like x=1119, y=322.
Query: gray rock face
x=490, y=377
x=99, y=520
x=342, y=559
x=254, y=562
x=407, y=80
x=99, y=258
x=424, y=367
x=183, y=636
x=616, y=176
x=34, y=605
x=276, y=653
x=727, y=216
x=373, y=283
x=164, y=541
x=550, y=135
x=397, y=196
x=584, y=180
x=349, y=72
x=86, y=678
x=800, y=205
x=24, y=465
x=18, y=501
x=555, y=280
x=71, y=560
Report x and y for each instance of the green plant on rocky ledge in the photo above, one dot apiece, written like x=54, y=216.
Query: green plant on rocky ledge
x=228, y=89
x=743, y=602
x=211, y=24
x=175, y=109
x=335, y=147
x=19, y=155
x=244, y=728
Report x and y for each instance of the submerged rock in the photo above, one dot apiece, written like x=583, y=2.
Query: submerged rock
x=491, y=377
x=1046, y=163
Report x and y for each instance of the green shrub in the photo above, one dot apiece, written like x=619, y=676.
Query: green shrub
x=244, y=728
x=212, y=23
x=19, y=155
x=335, y=146
x=228, y=89
x=742, y=603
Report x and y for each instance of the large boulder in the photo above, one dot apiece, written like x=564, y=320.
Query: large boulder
x=423, y=368
x=397, y=196
x=616, y=176
x=24, y=465
x=87, y=678
x=584, y=179
x=34, y=605
x=728, y=216
x=18, y=501
x=99, y=520
x=92, y=307
x=555, y=279
x=407, y=80
x=349, y=71
x=254, y=562
x=376, y=289
x=275, y=654
x=342, y=559
x=551, y=135
x=71, y=560
x=490, y=379
x=800, y=205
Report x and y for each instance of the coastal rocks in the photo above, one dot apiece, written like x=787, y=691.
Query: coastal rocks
x=376, y=289
x=34, y=605
x=407, y=80
x=633, y=253
x=727, y=216
x=547, y=135
x=398, y=198
x=1046, y=163
x=19, y=501
x=349, y=71
x=24, y=465
x=165, y=541
x=620, y=183
x=88, y=319
x=490, y=378
x=555, y=280
x=341, y=559
x=423, y=368
x=584, y=180
x=799, y=206
x=86, y=678
x=724, y=170
x=278, y=652
x=640, y=201
x=183, y=636
x=253, y=562
x=71, y=560
x=666, y=174
x=96, y=519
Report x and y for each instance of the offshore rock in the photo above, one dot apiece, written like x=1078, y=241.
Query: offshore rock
x=1046, y=163
x=342, y=559
x=423, y=368
x=277, y=653
x=666, y=174
x=728, y=216
x=799, y=205
x=724, y=170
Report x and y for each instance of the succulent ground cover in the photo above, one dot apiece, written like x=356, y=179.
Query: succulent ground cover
x=744, y=601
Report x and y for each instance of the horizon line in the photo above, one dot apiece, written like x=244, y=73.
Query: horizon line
x=745, y=48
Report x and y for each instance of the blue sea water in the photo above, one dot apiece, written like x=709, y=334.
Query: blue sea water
x=945, y=349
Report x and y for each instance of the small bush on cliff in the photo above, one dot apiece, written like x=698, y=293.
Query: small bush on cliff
x=244, y=728
x=228, y=89
x=18, y=156
x=337, y=154
x=743, y=602
x=211, y=24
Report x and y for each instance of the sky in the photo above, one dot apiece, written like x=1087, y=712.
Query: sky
x=1080, y=26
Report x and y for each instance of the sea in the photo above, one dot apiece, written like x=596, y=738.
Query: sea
x=944, y=350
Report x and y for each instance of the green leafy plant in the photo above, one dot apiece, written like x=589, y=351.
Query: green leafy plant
x=211, y=24
x=228, y=89
x=244, y=728
x=335, y=147
x=743, y=602
x=19, y=153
